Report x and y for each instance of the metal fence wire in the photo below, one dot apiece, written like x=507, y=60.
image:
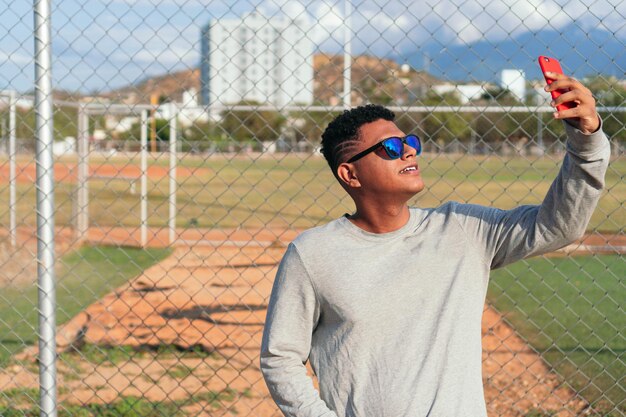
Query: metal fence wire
x=156, y=159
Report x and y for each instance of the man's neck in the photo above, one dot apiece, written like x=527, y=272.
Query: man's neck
x=380, y=219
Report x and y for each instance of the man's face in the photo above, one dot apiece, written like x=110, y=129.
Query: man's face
x=381, y=176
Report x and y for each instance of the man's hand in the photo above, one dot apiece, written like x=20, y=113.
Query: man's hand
x=584, y=115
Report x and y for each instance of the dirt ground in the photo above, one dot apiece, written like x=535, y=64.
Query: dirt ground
x=67, y=172
x=209, y=299
x=18, y=265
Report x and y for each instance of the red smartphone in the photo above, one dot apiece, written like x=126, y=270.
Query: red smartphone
x=548, y=64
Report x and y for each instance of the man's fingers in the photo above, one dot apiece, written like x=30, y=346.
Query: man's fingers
x=572, y=90
x=570, y=96
x=555, y=75
x=584, y=110
x=577, y=96
x=567, y=114
x=566, y=83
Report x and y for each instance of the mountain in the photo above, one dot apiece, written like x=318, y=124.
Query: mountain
x=582, y=52
x=171, y=85
x=373, y=79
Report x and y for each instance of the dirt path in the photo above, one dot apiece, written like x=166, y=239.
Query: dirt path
x=26, y=173
x=18, y=265
x=210, y=303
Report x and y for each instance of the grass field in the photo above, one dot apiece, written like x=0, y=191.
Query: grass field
x=571, y=310
x=298, y=191
x=126, y=407
x=83, y=276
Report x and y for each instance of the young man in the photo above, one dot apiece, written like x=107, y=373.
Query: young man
x=386, y=303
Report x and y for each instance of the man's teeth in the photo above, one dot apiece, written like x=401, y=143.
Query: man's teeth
x=409, y=169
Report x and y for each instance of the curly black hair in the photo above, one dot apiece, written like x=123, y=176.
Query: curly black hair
x=342, y=134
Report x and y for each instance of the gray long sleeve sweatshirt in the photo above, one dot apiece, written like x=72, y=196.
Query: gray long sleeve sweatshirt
x=391, y=322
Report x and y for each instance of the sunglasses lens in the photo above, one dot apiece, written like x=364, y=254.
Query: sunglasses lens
x=393, y=147
x=414, y=142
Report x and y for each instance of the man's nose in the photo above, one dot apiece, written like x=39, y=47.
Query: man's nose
x=408, y=152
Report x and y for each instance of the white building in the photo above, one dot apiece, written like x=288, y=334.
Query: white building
x=465, y=92
x=255, y=58
x=188, y=111
x=514, y=80
x=114, y=123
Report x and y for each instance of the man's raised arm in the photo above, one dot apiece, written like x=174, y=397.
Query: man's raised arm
x=562, y=217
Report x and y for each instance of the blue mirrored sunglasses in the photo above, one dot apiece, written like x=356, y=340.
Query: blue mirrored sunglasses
x=393, y=146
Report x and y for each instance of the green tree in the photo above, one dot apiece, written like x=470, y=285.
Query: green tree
x=373, y=91
x=162, y=131
x=502, y=96
x=495, y=127
x=609, y=92
x=24, y=123
x=202, y=131
x=445, y=126
x=411, y=123
x=553, y=130
x=203, y=136
x=309, y=126
x=65, y=122
x=252, y=126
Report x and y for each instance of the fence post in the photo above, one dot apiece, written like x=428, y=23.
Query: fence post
x=540, y=131
x=45, y=210
x=82, y=183
x=144, y=178
x=173, y=161
x=12, y=171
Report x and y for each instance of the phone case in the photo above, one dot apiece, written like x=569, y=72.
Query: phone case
x=549, y=64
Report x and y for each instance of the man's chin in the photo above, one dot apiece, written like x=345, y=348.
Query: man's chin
x=412, y=192
x=417, y=188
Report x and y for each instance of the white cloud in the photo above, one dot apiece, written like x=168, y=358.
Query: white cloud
x=457, y=21
x=144, y=35
x=379, y=26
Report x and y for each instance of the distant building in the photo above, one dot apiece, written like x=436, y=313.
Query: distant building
x=188, y=110
x=113, y=122
x=514, y=80
x=255, y=58
x=465, y=92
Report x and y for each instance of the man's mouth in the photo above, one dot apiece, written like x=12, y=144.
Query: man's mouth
x=409, y=169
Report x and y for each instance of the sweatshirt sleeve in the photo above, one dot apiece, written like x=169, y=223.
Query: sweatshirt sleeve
x=292, y=315
x=562, y=217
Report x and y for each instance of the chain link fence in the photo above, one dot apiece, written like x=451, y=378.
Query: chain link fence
x=139, y=239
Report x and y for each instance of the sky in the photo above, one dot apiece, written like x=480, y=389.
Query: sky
x=101, y=45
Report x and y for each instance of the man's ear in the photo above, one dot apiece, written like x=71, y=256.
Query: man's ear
x=348, y=176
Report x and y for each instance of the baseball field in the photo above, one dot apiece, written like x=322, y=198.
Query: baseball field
x=553, y=342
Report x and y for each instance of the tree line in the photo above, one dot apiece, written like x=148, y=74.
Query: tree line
x=253, y=128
